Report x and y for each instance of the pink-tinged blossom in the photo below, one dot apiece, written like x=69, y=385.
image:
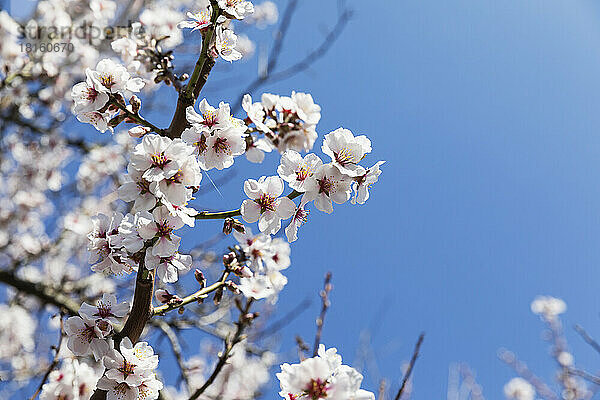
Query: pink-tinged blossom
x=199, y=21
x=137, y=189
x=257, y=287
x=186, y=214
x=125, y=366
x=321, y=377
x=221, y=148
x=210, y=118
x=159, y=157
x=264, y=204
x=130, y=238
x=226, y=43
x=256, y=247
x=117, y=390
x=363, y=181
x=87, y=97
x=237, y=9
x=98, y=119
x=297, y=171
x=177, y=188
x=298, y=219
x=106, y=309
x=195, y=137
x=111, y=77
x=85, y=337
x=346, y=150
x=306, y=108
x=168, y=268
x=162, y=226
x=256, y=113
x=328, y=185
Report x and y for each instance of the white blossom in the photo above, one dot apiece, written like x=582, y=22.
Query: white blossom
x=346, y=150
x=363, y=181
x=226, y=44
x=264, y=204
x=168, y=268
x=237, y=8
x=547, y=306
x=322, y=377
x=519, y=389
x=162, y=226
x=297, y=171
x=328, y=185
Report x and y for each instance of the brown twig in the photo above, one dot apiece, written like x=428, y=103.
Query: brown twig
x=43, y=292
x=587, y=338
x=244, y=320
x=325, y=303
x=411, y=365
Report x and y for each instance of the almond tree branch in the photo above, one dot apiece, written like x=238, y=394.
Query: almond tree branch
x=244, y=320
x=42, y=291
x=135, y=117
x=325, y=303
x=199, y=76
x=233, y=213
x=200, y=294
x=411, y=365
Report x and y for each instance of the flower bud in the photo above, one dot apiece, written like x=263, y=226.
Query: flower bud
x=135, y=104
x=200, y=278
x=138, y=131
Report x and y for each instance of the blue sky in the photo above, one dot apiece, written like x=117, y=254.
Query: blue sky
x=487, y=115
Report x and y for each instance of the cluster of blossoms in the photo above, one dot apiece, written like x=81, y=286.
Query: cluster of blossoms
x=573, y=386
x=215, y=135
x=225, y=42
x=287, y=123
x=129, y=371
x=92, y=98
x=324, y=184
x=265, y=257
x=322, y=377
x=91, y=331
x=548, y=307
x=74, y=380
x=162, y=175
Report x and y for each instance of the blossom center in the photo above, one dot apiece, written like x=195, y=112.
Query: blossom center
x=159, y=160
x=210, y=118
x=176, y=178
x=104, y=310
x=221, y=145
x=107, y=80
x=88, y=333
x=325, y=185
x=164, y=229
x=92, y=94
x=127, y=369
x=317, y=389
x=303, y=173
x=345, y=157
x=144, y=186
x=266, y=202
